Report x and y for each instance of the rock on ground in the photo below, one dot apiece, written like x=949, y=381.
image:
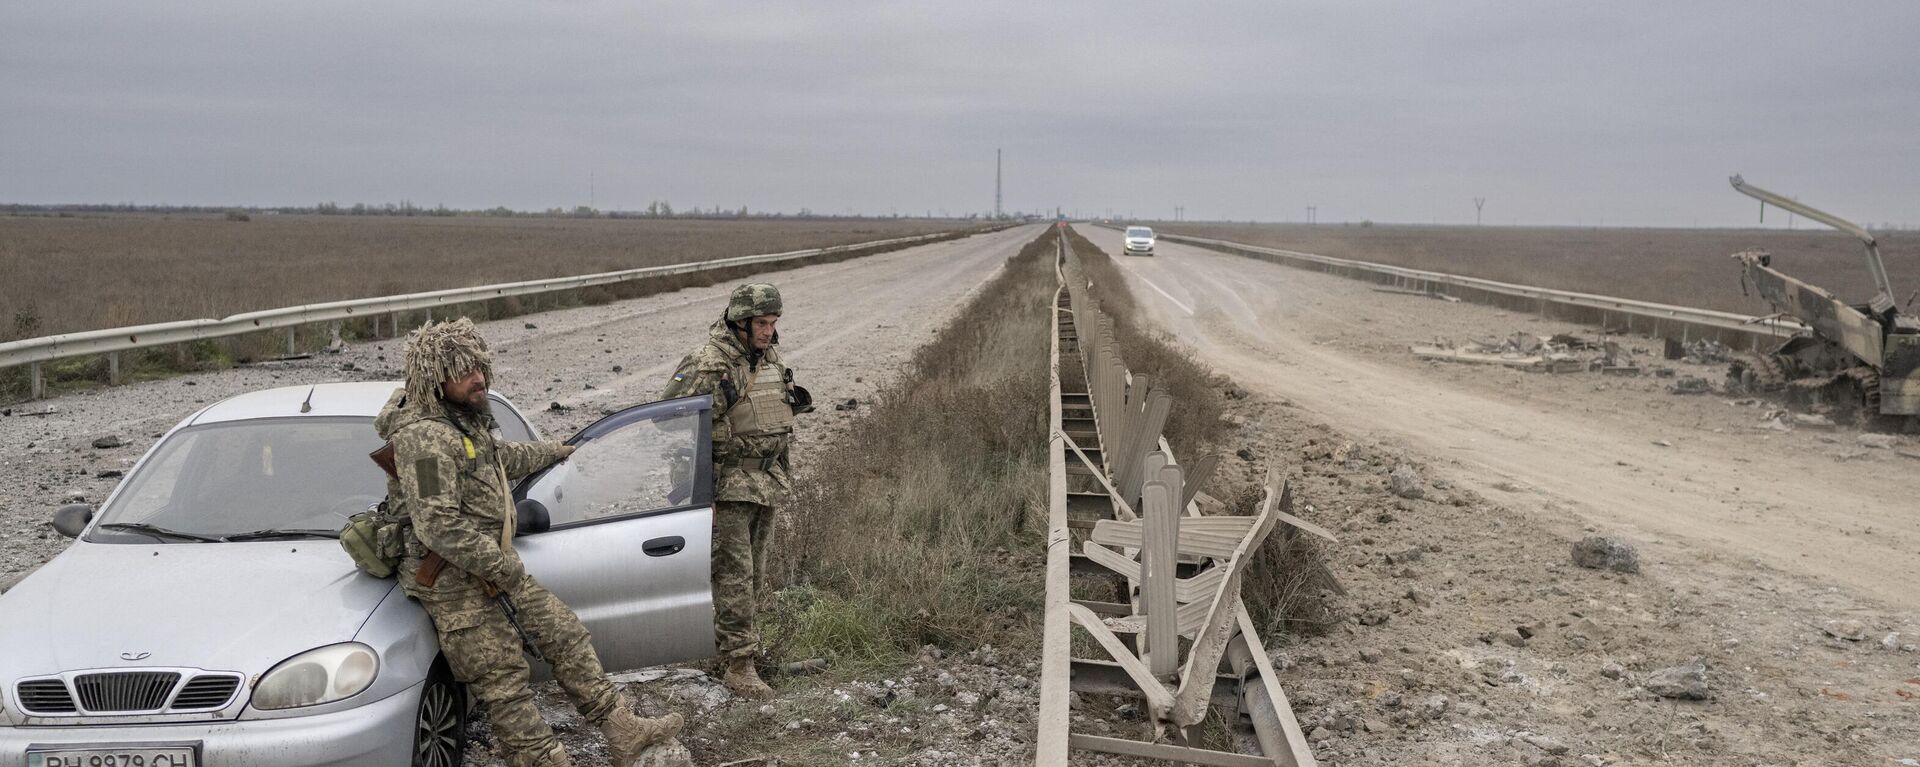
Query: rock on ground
x=1405, y=482
x=1685, y=682
x=1602, y=553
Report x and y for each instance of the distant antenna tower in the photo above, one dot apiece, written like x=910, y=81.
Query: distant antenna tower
x=996, y=183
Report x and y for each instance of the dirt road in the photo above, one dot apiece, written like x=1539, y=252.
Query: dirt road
x=1777, y=565
x=847, y=328
x=1721, y=491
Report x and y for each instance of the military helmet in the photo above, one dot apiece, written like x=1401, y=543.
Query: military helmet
x=753, y=300
x=442, y=351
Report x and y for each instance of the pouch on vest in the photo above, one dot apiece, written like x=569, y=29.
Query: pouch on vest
x=375, y=539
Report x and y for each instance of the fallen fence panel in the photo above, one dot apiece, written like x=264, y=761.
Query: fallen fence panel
x=1144, y=529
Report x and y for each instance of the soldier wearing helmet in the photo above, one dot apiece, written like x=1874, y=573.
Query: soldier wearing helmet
x=451, y=476
x=754, y=400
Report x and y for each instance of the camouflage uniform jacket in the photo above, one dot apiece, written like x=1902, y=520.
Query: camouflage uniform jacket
x=453, y=484
x=746, y=469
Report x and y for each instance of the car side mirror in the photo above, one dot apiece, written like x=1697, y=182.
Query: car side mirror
x=531, y=517
x=70, y=520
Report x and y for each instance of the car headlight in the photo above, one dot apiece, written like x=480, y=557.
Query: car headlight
x=323, y=675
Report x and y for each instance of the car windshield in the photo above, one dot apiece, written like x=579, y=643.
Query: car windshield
x=287, y=474
x=1139, y=231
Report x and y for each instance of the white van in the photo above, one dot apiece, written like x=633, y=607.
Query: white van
x=1139, y=241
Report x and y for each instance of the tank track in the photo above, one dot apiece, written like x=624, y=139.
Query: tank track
x=1756, y=374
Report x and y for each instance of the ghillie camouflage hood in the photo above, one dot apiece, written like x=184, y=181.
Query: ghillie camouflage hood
x=441, y=351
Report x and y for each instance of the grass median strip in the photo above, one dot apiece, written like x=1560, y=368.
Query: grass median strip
x=923, y=524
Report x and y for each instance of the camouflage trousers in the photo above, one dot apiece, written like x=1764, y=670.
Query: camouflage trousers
x=484, y=652
x=740, y=534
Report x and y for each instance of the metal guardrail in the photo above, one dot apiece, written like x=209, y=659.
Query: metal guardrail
x=1106, y=436
x=36, y=351
x=1656, y=319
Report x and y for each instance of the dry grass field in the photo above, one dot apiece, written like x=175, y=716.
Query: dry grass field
x=81, y=273
x=1686, y=267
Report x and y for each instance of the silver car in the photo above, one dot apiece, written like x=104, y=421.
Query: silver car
x=205, y=617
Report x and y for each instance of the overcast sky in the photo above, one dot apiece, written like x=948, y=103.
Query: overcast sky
x=1620, y=113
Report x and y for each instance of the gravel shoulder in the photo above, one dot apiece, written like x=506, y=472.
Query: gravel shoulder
x=1780, y=561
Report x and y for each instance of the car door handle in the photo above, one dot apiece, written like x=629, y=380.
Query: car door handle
x=661, y=547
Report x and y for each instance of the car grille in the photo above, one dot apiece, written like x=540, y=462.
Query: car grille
x=45, y=696
x=123, y=691
x=127, y=692
x=206, y=691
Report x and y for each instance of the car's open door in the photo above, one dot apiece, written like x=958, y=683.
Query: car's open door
x=631, y=528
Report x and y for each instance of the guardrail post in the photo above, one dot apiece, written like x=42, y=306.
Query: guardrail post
x=291, y=338
x=113, y=368
x=38, y=387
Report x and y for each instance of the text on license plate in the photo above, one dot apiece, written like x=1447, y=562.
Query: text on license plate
x=113, y=757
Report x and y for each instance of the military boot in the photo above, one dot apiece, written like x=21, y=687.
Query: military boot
x=628, y=735
x=744, y=680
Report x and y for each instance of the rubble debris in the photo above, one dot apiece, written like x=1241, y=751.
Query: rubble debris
x=808, y=666
x=1575, y=343
x=1597, y=552
x=1685, y=682
x=1706, y=351
x=1526, y=351
x=1813, y=421
x=1882, y=441
x=850, y=404
x=108, y=442
x=1690, y=385
x=555, y=407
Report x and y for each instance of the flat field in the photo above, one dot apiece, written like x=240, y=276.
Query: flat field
x=1684, y=267
x=100, y=271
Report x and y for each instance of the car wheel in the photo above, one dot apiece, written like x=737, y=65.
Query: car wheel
x=440, y=725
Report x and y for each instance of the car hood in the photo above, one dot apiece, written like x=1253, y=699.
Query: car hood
x=216, y=606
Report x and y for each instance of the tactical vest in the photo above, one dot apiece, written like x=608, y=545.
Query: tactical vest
x=762, y=408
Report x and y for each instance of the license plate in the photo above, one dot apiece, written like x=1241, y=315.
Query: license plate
x=115, y=756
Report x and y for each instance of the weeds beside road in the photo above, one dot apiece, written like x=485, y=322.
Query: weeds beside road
x=923, y=525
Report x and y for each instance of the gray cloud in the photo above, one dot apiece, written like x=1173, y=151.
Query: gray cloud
x=1631, y=113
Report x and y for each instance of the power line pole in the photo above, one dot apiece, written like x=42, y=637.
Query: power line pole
x=1478, y=203
x=996, y=183
x=1313, y=214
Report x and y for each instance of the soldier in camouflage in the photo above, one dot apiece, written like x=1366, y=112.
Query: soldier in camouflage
x=453, y=483
x=754, y=404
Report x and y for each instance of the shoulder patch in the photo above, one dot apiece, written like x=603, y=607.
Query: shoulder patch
x=426, y=472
